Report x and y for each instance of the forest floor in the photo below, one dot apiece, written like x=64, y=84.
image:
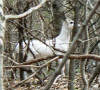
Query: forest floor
x=61, y=84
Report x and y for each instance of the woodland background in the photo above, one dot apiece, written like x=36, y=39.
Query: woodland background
x=45, y=23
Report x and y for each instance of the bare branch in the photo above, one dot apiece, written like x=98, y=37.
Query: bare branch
x=88, y=56
x=27, y=64
x=25, y=13
x=21, y=66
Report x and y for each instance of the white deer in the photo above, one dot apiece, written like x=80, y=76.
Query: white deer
x=61, y=42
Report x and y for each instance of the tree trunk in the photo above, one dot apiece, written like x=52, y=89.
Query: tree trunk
x=72, y=62
x=20, y=30
x=2, y=34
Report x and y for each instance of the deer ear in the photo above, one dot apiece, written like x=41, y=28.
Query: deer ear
x=67, y=20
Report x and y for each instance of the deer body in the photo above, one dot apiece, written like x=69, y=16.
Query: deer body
x=61, y=42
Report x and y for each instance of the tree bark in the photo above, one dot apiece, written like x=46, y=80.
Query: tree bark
x=20, y=30
x=2, y=34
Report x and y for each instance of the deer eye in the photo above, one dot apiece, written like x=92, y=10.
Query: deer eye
x=71, y=22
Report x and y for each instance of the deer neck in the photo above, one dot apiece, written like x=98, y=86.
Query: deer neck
x=64, y=35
